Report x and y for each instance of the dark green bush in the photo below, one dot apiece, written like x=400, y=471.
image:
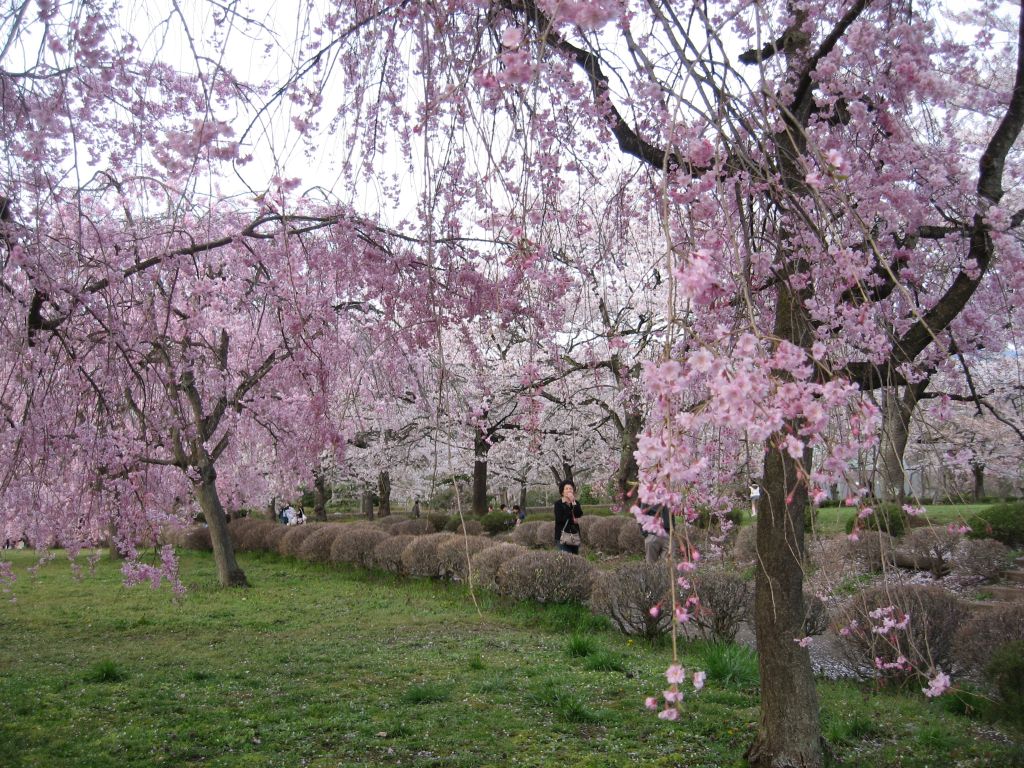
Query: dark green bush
x=1003, y=522
x=440, y=520
x=496, y=522
x=705, y=518
x=889, y=518
x=1006, y=673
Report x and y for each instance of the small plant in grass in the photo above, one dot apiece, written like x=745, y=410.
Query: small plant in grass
x=603, y=660
x=851, y=727
x=564, y=705
x=476, y=662
x=728, y=663
x=581, y=645
x=105, y=671
x=426, y=693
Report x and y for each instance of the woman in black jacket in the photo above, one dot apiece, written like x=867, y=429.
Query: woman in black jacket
x=567, y=511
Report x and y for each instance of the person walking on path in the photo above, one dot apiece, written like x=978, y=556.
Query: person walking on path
x=567, y=513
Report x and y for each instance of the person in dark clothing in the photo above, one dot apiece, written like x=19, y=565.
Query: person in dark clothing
x=567, y=512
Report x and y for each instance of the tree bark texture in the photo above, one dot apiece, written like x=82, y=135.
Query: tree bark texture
x=480, y=449
x=384, y=494
x=978, y=470
x=319, y=495
x=897, y=413
x=628, y=475
x=789, y=731
x=366, y=502
x=228, y=572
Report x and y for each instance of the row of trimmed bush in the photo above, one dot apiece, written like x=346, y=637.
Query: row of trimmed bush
x=625, y=595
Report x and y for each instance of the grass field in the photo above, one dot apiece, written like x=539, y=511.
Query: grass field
x=321, y=667
x=833, y=519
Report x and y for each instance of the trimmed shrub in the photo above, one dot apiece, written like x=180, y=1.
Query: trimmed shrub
x=452, y=555
x=439, y=520
x=487, y=562
x=251, y=538
x=927, y=641
x=744, y=550
x=931, y=545
x=547, y=577
x=985, y=632
x=631, y=540
x=317, y=547
x=604, y=533
x=888, y=518
x=272, y=538
x=627, y=594
x=1006, y=673
x=526, y=533
x=725, y=602
x=816, y=618
x=874, y=551
x=496, y=522
x=420, y=558
x=238, y=526
x=387, y=555
x=387, y=522
x=979, y=561
x=197, y=538
x=290, y=543
x=586, y=524
x=417, y=527
x=1004, y=523
x=355, y=544
x=470, y=528
x=546, y=534
x=705, y=519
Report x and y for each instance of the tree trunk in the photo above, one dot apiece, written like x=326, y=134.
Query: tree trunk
x=897, y=413
x=565, y=476
x=522, y=496
x=978, y=470
x=628, y=475
x=319, y=494
x=384, y=493
x=272, y=509
x=115, y=553
x=228, y=572
x=789, y=731
x=366, y=502
x=481, y=447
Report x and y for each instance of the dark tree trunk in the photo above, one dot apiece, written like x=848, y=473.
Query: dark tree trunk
x=228, y=572
x=978, y=470
x=319, y=495
x=522, y=496
x=897, y=413
x=565, y=474
x=366, y=502
x=384, y=493
x=481, y=447
x=789, y=731
x=628, y=475
x=115, y=553
x=272, y=509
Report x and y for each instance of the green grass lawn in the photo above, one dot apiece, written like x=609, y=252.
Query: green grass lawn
x=833, y=519
x=322, y=667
